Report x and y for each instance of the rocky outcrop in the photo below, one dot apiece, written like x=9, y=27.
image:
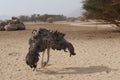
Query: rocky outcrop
x=12, y=25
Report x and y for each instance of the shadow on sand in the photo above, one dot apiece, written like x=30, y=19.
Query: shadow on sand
x=79, y=70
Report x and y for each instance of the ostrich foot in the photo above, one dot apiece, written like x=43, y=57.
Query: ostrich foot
x=44, y=64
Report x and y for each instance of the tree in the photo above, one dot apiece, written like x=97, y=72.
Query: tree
x=38, y=17
x=33, y=17
x=108, y=10
x=24, y=18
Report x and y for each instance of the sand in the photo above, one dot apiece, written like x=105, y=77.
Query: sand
x=97, y=49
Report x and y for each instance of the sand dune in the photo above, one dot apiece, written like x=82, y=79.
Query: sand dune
x=98, y=55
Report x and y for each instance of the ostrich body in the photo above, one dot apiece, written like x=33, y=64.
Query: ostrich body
x=42, y=40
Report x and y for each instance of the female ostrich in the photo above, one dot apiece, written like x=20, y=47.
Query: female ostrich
x=43, y=39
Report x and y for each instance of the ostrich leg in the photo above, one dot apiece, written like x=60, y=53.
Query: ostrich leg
x=48, y=57
x=42, y=59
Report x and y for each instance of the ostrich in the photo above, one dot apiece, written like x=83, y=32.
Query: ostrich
x=42, y=40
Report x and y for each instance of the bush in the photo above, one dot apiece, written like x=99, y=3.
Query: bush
x=83, y=19
x=50, y=20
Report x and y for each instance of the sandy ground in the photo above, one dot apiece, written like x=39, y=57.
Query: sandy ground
x=97, y=49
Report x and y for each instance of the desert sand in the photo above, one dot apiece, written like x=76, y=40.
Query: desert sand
x=97, y=54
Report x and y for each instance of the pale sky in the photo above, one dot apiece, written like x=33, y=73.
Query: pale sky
x=28, y=7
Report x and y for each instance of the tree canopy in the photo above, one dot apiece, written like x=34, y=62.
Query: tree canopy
x=108, y=10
